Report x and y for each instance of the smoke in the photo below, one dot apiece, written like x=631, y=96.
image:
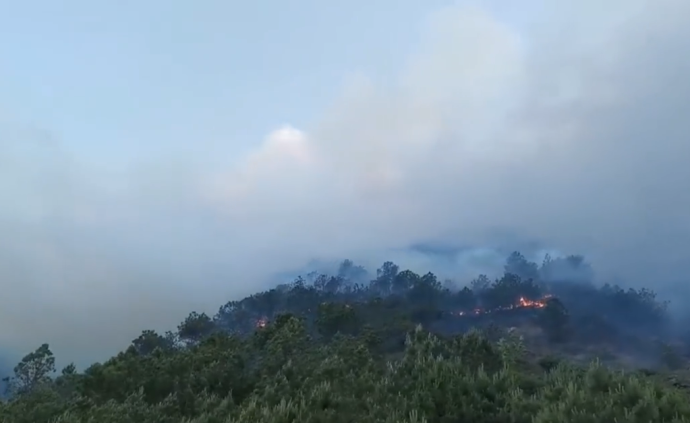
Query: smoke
x=566, y=136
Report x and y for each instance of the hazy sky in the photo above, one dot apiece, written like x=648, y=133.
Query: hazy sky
x=159, y=157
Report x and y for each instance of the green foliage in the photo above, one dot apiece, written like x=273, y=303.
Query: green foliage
x=194, y=328
x=335, y=318
x=149, y=340
x=34, y=370
x=335, y=350
x=506, y=290
x=281, y=375
x=549, y=362
x=512, y=348
x=555, y=321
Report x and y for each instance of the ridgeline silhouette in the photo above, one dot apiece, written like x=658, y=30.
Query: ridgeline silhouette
x=543, y=343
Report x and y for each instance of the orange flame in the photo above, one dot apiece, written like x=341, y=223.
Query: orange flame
x=521, y=302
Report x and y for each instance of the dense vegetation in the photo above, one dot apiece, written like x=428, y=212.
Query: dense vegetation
x=402, y=347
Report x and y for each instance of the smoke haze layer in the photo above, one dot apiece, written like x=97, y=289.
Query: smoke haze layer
x=493, y=134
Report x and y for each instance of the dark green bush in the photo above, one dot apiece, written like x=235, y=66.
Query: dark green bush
x=340, y=351
x=290, y=378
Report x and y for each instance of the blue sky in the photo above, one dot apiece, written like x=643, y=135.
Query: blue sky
x=163, y=157
x=113, y=80
x=131, y=78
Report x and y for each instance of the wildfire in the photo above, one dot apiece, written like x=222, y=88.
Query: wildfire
x=540, y=303
x=521, y=302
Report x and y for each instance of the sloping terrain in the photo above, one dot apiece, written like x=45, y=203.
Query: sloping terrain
x=531, y=346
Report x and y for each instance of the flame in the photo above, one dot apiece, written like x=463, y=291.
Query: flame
x=521, y=302
x=540, y=303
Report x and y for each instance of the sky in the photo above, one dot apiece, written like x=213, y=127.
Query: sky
x=163, y=157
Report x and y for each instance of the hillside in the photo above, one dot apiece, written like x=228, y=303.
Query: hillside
x=543, y=343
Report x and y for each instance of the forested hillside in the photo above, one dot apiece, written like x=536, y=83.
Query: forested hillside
x=543, y=343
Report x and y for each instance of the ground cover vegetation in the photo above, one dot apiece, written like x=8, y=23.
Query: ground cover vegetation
x=541, y=344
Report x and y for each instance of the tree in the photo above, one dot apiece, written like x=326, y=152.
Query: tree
x=507, y=290
x=350, y=272
x=34, y=370
x=518, y=265
x=69, y=370
x=465, y=299
x=555, y=321
x=480, y=284
x=335, y=318
x=377, y=366
x=195, y=328
x=385, y=276
x=149, y=340
x=403, y=281
x=426, y=290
